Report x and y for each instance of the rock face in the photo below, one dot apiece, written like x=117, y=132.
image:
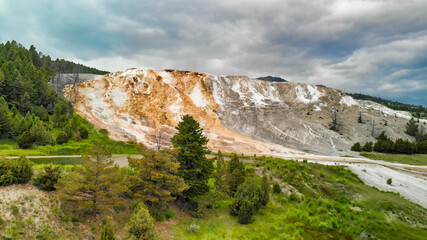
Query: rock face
x=238, y=114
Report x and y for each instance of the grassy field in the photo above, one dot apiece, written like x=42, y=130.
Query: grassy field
x=414, y=159
x=318, y=202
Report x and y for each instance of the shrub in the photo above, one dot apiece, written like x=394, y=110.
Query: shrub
x=107, y=232
x=162, y=212
x=15, y=171
x=193, y=228
x=367, y=147
x=141, y=224
x=61, y=138
x=389, y=181
x=83, y=132
x=276, y=188
x=48, y=178
x=246, y=212
x=25, y=140
x=356, y=147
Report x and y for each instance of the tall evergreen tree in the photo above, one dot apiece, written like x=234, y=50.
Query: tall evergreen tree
x=237, y=173
x=195, y=168
x=95, y=185
x=156, y=179
x=5, y=118
x=221, y=174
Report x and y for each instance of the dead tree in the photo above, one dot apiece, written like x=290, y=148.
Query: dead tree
x=158, y=139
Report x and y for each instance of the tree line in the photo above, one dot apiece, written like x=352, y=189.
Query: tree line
x=417, y=111
x=30, y=111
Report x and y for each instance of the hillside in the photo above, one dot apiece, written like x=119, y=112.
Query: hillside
x=239, y=114
x=417, y=111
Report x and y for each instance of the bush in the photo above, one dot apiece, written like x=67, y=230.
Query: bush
x=389, y=181
x=15, y=171
x=83, y=132
x=276, y=188
x=61, y=138
x=193, y=228
x=141, y=224
x=162, y=212
x=356, y=147
x=48, y=178
x=246, y=212
x=107, y=232
x=25, y=140
x=367, y=147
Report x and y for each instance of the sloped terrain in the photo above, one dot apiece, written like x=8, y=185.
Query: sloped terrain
x=238, y=114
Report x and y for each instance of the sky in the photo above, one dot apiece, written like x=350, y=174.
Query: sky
x=376, y=47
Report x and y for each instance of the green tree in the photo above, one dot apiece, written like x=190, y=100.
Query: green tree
x=61, y=138
x=156, y=178
x=25, y=140
x=367, y=147
x=95, y=185
x=236, y=171
x=411, y=127
x=48, y=177
x=265, y=191
x=40, y=134
x=356, y=147
x=107, y=231
x=141, y=224
x=221, y=175
x=5, y=118
x=195, y=168
x=83, y=132
x=246, y=212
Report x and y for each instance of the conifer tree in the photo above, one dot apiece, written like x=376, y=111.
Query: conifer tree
x=221, y=176
x=156, y=179
x=5, y=118
x=265, y=191
x=95, y=185
x=107, y=232
x=237, y=173
x=195, y=168
x=141, y=224
x=411, y=127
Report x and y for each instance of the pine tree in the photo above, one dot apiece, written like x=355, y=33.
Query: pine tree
x=265, y=191
x=356, y=147
x=367, y=147
x=107, y=232
x=411, y=127
x=5, y=118
x=156, y=179
x=95, y=185
x=221, y=176
x=195, y=168
x=141, y=224
x=236, y=170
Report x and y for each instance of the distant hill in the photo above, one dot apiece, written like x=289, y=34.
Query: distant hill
x=272, y=79
x=417, y=111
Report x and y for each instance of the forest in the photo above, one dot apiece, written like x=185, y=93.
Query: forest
x=31, y=113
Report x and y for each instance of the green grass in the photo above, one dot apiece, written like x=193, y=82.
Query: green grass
x=414, y=159
x=9, y=147
x=328, y=209
x=58, y=161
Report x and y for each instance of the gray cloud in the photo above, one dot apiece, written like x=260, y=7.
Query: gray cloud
x=375, y=47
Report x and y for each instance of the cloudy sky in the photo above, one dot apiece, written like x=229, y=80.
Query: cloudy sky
x=373, y=47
